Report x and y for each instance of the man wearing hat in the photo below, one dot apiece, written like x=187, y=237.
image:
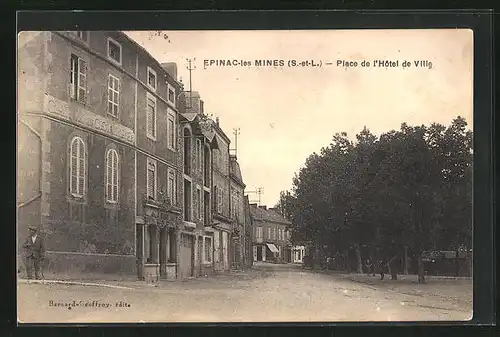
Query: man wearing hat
x=34, y=251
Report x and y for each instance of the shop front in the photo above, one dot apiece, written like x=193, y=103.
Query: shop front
x=157, y=236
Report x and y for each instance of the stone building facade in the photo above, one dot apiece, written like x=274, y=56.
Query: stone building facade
x=237, y=191
x=119, y=167
x=98, y=153
x=248, y=235
x=271, y=241
x=221, y=202
x=198, y=142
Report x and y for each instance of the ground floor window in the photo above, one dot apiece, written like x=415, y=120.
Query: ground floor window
x=208, y=249
x=149, y=244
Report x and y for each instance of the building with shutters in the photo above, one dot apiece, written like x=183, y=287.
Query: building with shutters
x=119, y=167
x=237, y=191
x=198, y=141
x=99, y=161
x=271, y=240
x=221, y=199
x=247, y=235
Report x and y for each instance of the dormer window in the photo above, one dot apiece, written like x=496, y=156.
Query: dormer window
x=151, y=79
x=171, y=94
x=114, y=51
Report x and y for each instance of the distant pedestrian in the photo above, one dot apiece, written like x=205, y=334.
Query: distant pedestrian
x=369, y=266
x=382, y=269
x=34, y=253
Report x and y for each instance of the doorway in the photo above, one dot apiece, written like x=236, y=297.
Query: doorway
x=187, y=256
x=139, y=251
x=259, y=253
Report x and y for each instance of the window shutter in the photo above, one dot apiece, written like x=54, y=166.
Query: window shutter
x=151, y=180
x=73, y=79
x=81, y=168
x=115, y=175
x=82, y=80
x=74, y=166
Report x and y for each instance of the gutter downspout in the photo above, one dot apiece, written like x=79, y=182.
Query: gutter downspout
x=29, y=201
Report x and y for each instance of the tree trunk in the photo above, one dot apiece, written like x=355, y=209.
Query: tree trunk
x=406, y=261
x=347, y=262
x=392, y=268
x=394, y=272
x=358, y=260
x=421, y=272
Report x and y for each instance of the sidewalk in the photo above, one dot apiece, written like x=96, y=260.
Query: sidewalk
x=456, y=290
x=131, y=282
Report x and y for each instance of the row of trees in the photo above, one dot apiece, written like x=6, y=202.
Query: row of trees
x=404, y=191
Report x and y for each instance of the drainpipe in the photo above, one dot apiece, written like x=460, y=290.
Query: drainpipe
x=30, y=200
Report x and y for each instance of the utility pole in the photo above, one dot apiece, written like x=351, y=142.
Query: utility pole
x=236, y=133
x=190, y=67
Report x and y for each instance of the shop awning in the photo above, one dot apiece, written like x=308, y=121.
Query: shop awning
x=272, y=247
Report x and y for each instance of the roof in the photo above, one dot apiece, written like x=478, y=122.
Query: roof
x=236, y=171
x=144, y=50
x=260, y=214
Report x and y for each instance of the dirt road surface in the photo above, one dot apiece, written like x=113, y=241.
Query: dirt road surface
x=266, y=293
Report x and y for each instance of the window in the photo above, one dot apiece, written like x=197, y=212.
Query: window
x=151, y=116
x=199, y=153
x=219, y=201
x=171, y=186
x=113, y=95
x=171, y=130
x=78, y=79
x=77, y=167
x=187, y=200
x=196, y=203
x=114, y=51
x=187, y=151
x=152, y=79
x=259, y=233
x=112, y=176
x=171, y=94
x=199, y=201
x=269, y=233
x=208, y=250
x=206, y=166
x=151, y=179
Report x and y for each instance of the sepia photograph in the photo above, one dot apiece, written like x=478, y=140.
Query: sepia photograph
x=211, y=176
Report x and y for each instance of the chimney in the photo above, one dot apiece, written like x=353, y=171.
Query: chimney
x=217, y=121
x=170, y=68
x=264, y=207
x=272, y=209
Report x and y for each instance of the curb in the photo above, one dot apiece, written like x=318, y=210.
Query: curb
x=102, y=285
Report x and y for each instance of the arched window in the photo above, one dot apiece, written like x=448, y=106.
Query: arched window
x=187, y=151
x=112, y=176
x=77, y=167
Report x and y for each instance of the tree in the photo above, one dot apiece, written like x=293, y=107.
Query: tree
x=405, y=192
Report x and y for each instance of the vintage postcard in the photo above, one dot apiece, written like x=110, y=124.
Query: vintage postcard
x=244, y=176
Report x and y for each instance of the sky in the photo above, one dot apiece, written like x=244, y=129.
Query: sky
x=286, y=113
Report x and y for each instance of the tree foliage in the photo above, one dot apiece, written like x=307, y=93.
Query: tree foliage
x=407, y=188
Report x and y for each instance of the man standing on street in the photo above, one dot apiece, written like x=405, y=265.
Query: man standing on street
x=34, y=252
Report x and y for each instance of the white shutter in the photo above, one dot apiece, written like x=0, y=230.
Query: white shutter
x=82, y=80
x=115, y=175
x=74, y=166
x=74, y=62
x=109, y=173
x=81, y=168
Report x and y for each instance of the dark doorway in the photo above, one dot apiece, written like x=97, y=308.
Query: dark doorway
x=139, y=250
